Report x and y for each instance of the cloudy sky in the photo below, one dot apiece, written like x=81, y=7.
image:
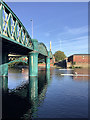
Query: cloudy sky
x=65, y=24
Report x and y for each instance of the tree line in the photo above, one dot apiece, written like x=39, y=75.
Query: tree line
x=59, y=56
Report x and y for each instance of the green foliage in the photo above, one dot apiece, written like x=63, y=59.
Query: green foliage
x=59, y=55
x=74, y=63
x=13, y=64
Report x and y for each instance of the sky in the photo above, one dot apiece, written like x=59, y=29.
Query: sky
x=65, y=24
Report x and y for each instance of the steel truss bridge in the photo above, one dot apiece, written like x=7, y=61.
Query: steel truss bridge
x=15, y=39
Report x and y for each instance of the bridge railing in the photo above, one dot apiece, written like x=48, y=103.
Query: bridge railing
x=11, y=27
x=42, y=49
x=21, y=59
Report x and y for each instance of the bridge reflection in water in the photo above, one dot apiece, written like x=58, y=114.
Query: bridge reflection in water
x=25, y=99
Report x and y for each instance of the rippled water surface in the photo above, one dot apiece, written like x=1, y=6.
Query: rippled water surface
x=50, y=95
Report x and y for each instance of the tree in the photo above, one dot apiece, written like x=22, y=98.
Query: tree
x=59, y=55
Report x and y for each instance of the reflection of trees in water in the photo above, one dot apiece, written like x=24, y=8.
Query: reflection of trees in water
x=14, y=106
x=25, y=98
x=18, y=70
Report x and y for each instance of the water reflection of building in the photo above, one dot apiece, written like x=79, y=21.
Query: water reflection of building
x=83, y=72
x=80, y=78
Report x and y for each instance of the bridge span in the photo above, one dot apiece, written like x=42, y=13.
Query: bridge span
x=14, y=39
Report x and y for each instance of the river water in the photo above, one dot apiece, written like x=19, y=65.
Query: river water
x=50, y=95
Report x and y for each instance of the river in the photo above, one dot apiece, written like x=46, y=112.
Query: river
x=50, y=95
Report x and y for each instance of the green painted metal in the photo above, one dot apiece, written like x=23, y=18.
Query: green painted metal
x=42, y=49
x=48, y=61
x=24, y=61
x=4, y=69
x=20, y=60
x=33, y=88
x=1, y=20
x=4, y=65
x=33, y=63
x=35, y=44
x=11, y=27
x=14, y=31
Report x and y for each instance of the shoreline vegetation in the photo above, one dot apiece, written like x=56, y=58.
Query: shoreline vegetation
x=22, y=64
x=68, y=67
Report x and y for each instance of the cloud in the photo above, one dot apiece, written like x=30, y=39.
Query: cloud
x=72, y=32
x=79, y=30
x=76, y=45
x=75, y=40
x=79, y=42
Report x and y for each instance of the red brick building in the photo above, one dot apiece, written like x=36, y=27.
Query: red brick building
x=52, y=61
x=78, y=60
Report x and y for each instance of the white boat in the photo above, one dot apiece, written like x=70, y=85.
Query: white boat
x=66, y=69
x=75, y=74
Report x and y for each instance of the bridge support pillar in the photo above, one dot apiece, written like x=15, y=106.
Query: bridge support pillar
x=48, y=61
x=4, y=65
x=33, y=63
x=4, y=70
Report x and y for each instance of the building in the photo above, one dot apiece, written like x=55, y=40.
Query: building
x=52, y=61
x=78, y=60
